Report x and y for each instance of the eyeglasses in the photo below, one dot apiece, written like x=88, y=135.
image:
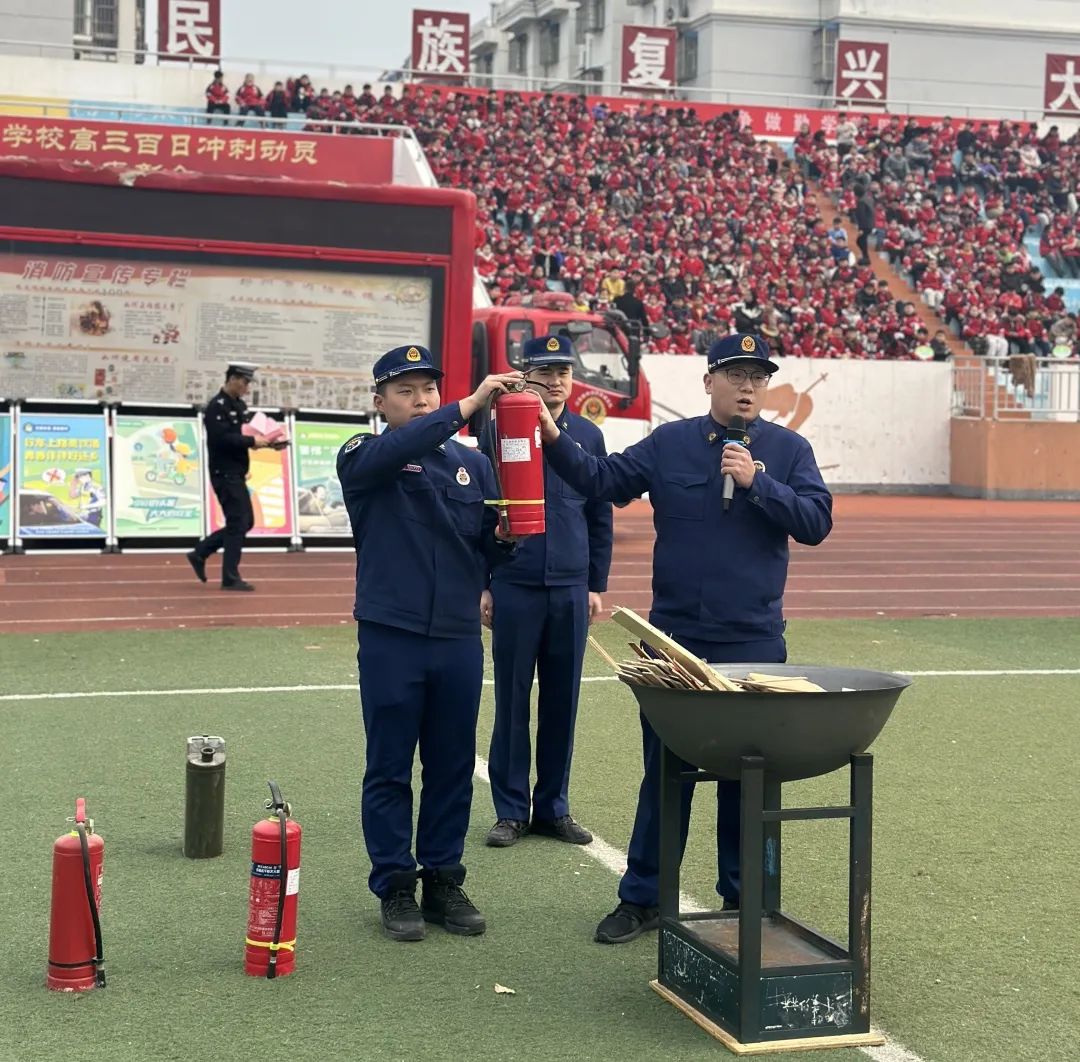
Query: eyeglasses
x=740, y=376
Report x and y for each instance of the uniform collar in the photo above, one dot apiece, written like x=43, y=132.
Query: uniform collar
x=713, y=431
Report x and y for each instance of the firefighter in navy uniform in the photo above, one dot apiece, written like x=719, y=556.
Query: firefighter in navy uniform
x=718, y=577
x=228, y=460
x=539, y=608
x=425, y=546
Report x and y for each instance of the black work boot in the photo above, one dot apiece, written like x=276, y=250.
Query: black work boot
x=562, y=829
x=627, y=922
x=506, y=832
x=198, y=565
x=444, y=902
x=401, y=917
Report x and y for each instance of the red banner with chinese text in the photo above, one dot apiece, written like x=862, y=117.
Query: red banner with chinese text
x=206, y=149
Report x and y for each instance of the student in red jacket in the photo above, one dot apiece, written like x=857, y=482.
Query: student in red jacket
x=249, y=99
x=217, y=97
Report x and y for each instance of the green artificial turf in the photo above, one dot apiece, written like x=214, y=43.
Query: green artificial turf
x=976, y=820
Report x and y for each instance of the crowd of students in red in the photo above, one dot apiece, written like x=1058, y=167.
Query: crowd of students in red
x=951, y=203
x=693, y=228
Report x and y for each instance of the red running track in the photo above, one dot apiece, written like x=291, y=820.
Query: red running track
x=887, y=556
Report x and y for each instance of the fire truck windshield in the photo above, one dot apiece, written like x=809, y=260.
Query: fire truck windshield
x=599, y=353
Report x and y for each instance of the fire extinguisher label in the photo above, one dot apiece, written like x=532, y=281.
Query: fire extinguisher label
x=266, y=870
x=513, y=450
x=292, y=882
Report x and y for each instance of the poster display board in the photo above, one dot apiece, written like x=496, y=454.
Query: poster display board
x=62, y=476
x=320, y=504
x=154, y=331
x=270, y=486
x=7, y=477
x=157, y=476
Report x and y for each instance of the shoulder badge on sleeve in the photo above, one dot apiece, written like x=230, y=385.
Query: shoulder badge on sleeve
x=353, y=443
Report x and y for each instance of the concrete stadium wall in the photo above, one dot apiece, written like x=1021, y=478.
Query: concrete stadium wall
x=44, y=21
x=874, y=425
x=1015, y=459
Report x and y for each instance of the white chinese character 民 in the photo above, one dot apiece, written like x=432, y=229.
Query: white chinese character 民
x=1069, y=80
x=442, y=46
x=862, y=74
x=190, y=30
x=650, y=62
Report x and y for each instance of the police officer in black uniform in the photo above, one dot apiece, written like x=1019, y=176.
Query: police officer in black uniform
x=425, y=546
x=227, y=455
x=718, y=575
x=539, y=608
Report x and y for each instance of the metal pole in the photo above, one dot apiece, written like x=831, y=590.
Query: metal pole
x=859, y=855
x=751, y=844
x=770, y=900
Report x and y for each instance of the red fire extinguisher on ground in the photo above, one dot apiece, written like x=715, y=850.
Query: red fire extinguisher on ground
x=76, y=960
x=517, y=456
x=275, y=885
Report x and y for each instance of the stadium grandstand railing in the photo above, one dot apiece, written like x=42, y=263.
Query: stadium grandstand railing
x=1017, y=386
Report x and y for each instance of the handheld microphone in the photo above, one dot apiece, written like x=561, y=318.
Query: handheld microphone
x=736, y=433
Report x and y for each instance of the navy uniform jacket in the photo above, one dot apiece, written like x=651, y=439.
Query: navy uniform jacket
x=717, y=577
x=580, y=528
x=425, y=540
x=227, y=447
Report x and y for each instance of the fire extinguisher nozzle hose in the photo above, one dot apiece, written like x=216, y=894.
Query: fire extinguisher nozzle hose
x=281, y=809
x=88, y=881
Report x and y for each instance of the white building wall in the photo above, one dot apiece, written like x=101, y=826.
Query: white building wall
x=48, y=21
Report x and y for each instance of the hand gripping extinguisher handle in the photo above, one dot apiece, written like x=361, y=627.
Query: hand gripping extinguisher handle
x=276, y=805
x=88, y=881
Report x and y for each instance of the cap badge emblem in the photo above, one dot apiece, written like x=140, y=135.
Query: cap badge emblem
x=553, y=345
x=748, y=344
x=413, y=354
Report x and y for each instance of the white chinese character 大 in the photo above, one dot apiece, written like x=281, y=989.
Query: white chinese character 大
x=190, y=29
x=650, y=62
x=1069, y=80
x=442, y=47
x=862, y=74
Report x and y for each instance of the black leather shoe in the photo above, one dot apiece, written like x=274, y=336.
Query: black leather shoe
x=445, y=904
x=401, y=918
x=506, y=832
x=238, y=585
x=198, y=564
x=563, y=829
x=730, y=905
x=627, y=922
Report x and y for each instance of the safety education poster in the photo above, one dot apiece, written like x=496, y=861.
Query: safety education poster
x=63, y=476
x=269, y=484
x=157, y=477
x=320, y=504
x=6, y=475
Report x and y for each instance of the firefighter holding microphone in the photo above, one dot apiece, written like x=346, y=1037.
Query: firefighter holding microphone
x=539, y=607
x=426, y=544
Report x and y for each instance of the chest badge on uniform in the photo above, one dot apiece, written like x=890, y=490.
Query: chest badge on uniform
x=463, y=476
x=712, y=436
x=759, y=465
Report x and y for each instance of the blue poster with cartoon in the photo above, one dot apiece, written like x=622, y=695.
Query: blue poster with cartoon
x=62, y=477
x=7, y=477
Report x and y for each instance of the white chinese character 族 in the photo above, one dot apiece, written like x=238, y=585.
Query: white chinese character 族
x=862, y=74
x=442, y=46
x=190, y=30
x=650, y=60
x=1069, y=97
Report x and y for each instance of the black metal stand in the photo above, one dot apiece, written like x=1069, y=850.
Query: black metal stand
x=757, y=976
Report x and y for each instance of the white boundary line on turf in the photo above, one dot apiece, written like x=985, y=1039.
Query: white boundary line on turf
x=197, y=691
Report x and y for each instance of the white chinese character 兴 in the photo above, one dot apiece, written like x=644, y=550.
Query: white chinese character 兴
x=650, y=61
x=1069, y=80
x=190, y=30
x=773, y=122
x=862, y=74
x=442, y=46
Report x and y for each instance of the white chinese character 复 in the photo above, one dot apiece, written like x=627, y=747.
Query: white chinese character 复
x=190, y=29
x=649, y=54
x=442, y=46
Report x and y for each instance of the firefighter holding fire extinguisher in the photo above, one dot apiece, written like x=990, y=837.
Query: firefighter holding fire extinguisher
x=425, y=546
x=539, y=607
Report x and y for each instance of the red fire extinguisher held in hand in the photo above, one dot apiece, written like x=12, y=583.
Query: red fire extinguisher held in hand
x=517, y=456
x=76, y=959
x=275, y=885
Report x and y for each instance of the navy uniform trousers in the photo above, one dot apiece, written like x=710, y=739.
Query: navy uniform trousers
x=542, y=629
x=417, y=690
x=640, y=883
x=232, y=492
